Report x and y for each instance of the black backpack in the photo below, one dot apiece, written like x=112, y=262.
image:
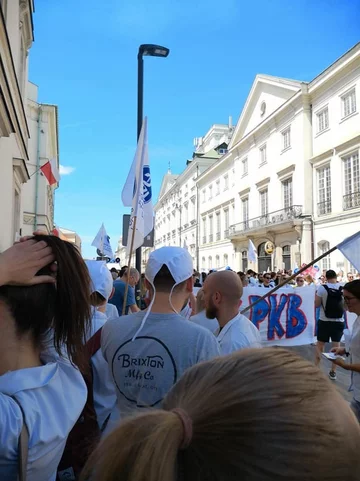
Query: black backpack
x=85, y=435
x=334, y=307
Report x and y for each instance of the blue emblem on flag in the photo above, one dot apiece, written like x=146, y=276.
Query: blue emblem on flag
x=147, y=184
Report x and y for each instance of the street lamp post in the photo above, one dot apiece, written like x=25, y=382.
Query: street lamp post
x=145, y=50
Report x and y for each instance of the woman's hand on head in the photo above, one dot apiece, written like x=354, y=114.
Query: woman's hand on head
x=20, y=263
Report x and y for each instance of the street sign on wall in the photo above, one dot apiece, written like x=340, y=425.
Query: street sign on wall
x=149, y=239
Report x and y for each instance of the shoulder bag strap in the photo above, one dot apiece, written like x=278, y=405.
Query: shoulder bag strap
x=94, y=343
x=23, y=446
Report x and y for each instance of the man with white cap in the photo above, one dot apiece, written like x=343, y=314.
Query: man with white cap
x=103, y=387
x=222, y=294
x=148, y=351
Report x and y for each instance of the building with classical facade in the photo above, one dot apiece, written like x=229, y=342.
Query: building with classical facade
x=37, y=194
x=177, y=208
x=289, y=176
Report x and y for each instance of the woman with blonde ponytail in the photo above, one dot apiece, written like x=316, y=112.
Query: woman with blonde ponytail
x=256, y=415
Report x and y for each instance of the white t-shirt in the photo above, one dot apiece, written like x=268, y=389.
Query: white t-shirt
x=111, y=311
x=239, y=333
x=201, y=320
x=105, y=402
x=52, y=397
x=355, y=357
x=321, y=292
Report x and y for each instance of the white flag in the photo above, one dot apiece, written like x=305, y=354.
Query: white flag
x=102, y=242
x=252, y=254
x=141, y=207
x=350, y=248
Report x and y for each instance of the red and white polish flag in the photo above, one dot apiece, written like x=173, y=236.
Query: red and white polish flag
x=51, y=171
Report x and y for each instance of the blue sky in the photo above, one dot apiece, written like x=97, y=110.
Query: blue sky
x=84, y=60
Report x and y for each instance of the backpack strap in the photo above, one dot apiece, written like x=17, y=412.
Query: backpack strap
x=93, y=344
x=23, y=446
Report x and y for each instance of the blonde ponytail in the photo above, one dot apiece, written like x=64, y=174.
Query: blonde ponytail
x=143, y=448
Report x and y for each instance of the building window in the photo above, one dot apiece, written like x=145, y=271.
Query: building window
x=226, y=182
x=286, y=257
x=352, y=182
x=203, y=196
x=264, y=259
x=218, y=226
x=210, y=263
x=245, y=212
x=324, y=190
x=217, y=262
x=264, y=203
x=211, y=228
x=325, y=262
x=263, y=158
x=226, y=260
x=217, y=191
x=244, y=258
x=226, y=223
x=287, y=193
x=204, y=229
x=322, y=120
x=348, y=103
x=210, y=192
x=222, y=151
x=286, y=141
x=245, y=166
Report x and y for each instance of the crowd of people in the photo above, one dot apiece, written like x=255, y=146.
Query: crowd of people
x=179, y=388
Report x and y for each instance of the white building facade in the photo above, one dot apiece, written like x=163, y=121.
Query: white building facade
x=177, y=208
x=289, y=178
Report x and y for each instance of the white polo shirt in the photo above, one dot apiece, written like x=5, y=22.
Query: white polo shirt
x=52, y=397
x=239, y=333
x=355, y=357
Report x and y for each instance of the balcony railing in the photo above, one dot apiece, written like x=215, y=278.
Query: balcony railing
x=278, y=217
x=226, y=233
x=211, y=238
x=218, y=236
x=204, y=239
x=324, y=207
x=351, y=201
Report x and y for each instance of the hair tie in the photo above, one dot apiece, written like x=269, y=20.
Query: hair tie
x=187, y=427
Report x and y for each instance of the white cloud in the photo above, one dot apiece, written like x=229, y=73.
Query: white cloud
x=66, y=170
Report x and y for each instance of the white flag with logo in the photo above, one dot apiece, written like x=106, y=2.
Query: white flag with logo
x=350, y=248
x=252, y=254
x=139, y=178
x=102, y=242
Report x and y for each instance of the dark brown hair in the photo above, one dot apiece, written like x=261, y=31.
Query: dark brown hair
x=353, y=287
x=260, y=414
x=164, y=281
x=63, y=307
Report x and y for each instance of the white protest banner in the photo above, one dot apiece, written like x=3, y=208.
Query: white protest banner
x=285, y=318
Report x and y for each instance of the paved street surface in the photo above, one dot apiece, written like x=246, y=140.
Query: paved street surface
x=343, y=377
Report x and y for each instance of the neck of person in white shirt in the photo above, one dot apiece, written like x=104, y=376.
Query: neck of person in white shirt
x=27, y=313
x=99, y=302
x=164, y=286
x=222, y=293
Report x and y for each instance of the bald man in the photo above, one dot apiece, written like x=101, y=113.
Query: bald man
x=222, y=294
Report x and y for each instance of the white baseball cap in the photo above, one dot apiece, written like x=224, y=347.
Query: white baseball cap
x=180, y=265
x=102, y=281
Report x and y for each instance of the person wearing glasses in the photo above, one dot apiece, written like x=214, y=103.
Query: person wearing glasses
x=350, y=277
x=352, y=300
x=300, y=281
x=266, y=281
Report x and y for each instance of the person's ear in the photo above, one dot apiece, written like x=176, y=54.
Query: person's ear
x=112, y=293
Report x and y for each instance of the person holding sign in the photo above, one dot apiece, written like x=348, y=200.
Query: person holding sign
x=222, y=295
x=352, y=300
x=331, y=323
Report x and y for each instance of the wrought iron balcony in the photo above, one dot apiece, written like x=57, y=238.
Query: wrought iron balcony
x=324, y=207
x=351, y=201
x=204, y=239
x=273, y=218
x=218, y=236
x=211, y=238
x=226, y=233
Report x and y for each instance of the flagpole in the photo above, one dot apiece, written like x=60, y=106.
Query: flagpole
x=288, y=280
x=129, y=267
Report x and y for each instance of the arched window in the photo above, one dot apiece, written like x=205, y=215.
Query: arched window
x=244, y=258
x=324, y=246
x=286, y=257
x=217, y=262
x=210, y=263
x=264, y=259
x=226, y=260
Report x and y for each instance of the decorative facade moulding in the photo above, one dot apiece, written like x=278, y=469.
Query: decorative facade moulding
x=244, y=192
x=263, y=183
x=282, y=174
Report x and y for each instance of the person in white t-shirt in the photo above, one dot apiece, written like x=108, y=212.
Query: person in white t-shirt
x=200, y=317
x=222, y=293
x=41, y=392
